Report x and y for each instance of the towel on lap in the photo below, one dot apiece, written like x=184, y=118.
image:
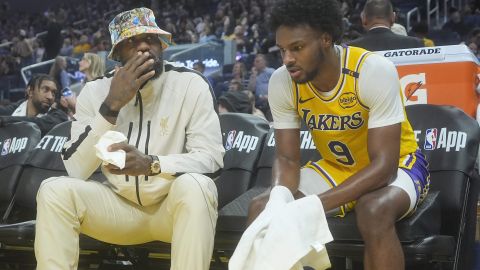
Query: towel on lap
x=288, y=234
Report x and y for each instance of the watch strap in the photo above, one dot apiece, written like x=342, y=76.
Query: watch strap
x=106, y=111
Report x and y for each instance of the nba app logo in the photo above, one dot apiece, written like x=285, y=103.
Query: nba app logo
x=430, y=139
x=230, y=139
x=6, y=146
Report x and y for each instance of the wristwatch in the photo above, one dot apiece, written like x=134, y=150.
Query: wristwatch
x=155, y=165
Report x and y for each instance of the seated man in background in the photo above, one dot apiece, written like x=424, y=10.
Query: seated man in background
x=39, y=106
x=172, y=138
x=377, y=19
x=40, y=95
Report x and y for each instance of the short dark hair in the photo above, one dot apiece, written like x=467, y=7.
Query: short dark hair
x=37, y=80
x=322, y=15
x=381, y=9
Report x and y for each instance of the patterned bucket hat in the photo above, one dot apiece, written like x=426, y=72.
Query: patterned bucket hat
x=135, y=22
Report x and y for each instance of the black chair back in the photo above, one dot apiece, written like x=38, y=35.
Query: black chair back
x=243, y=139
x=44, y=161
x=449, y=139
x=16, y=142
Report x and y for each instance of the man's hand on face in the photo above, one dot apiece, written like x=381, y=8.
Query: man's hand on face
x=128, y=80
x=136, y=162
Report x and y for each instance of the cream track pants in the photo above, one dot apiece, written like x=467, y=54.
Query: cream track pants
x=67, y=207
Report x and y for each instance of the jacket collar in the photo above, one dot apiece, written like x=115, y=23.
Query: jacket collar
x=379, y=30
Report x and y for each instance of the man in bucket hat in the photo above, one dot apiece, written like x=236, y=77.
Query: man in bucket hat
x=173, y=138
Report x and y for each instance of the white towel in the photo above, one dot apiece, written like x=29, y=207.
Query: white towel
x=286, y=235
x=116, y=158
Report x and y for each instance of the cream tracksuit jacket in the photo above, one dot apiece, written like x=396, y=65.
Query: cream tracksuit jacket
x=172, y=117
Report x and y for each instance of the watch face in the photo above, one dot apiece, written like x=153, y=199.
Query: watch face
x=155, y=167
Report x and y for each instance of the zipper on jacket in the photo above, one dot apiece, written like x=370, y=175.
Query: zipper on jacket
x=140, y=102
x=130, y=126
x=146, y=144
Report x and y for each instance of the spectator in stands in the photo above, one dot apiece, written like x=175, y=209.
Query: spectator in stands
x=355, y=29
x=82, y=46
x=206, y=35
x=399, y=29
x=41, y=94
x=473, y=41
x=258, y=82
x=239, y=74
x=235, y=85
x=59, y=72
x=420, y=30
x=67, y=47
x=38, y=50
x=67, y=102
x=161, y=192
x=234, y=101
x=377, y=18
x=54, y=40
x=92, y=66
x=200, y=67
x=456, y=23
x=363, y=157
x=22, y=48
x=4, y=67
x=473, y=48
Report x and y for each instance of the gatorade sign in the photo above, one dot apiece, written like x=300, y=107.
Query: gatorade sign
x=445, y=75
x=414, y=88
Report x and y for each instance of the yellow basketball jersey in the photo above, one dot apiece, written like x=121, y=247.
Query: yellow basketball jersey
x=339, y=122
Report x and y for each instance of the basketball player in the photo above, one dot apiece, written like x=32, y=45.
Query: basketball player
x=352, y=103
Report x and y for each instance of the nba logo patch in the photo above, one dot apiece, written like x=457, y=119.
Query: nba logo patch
x=230, y=139
x=6, y=146
x=430, y=139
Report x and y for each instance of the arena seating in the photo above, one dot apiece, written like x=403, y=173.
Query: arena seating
x=440, y=233
x=247, y=135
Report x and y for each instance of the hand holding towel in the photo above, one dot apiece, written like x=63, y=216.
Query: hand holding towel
x=116, y=158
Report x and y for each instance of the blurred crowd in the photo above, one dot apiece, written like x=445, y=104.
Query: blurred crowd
x=73, y=30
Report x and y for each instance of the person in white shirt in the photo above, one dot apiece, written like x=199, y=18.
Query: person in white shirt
x=173, y=136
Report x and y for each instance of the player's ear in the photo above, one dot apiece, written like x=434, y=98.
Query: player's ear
x=326, y=39
x=29, y=92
